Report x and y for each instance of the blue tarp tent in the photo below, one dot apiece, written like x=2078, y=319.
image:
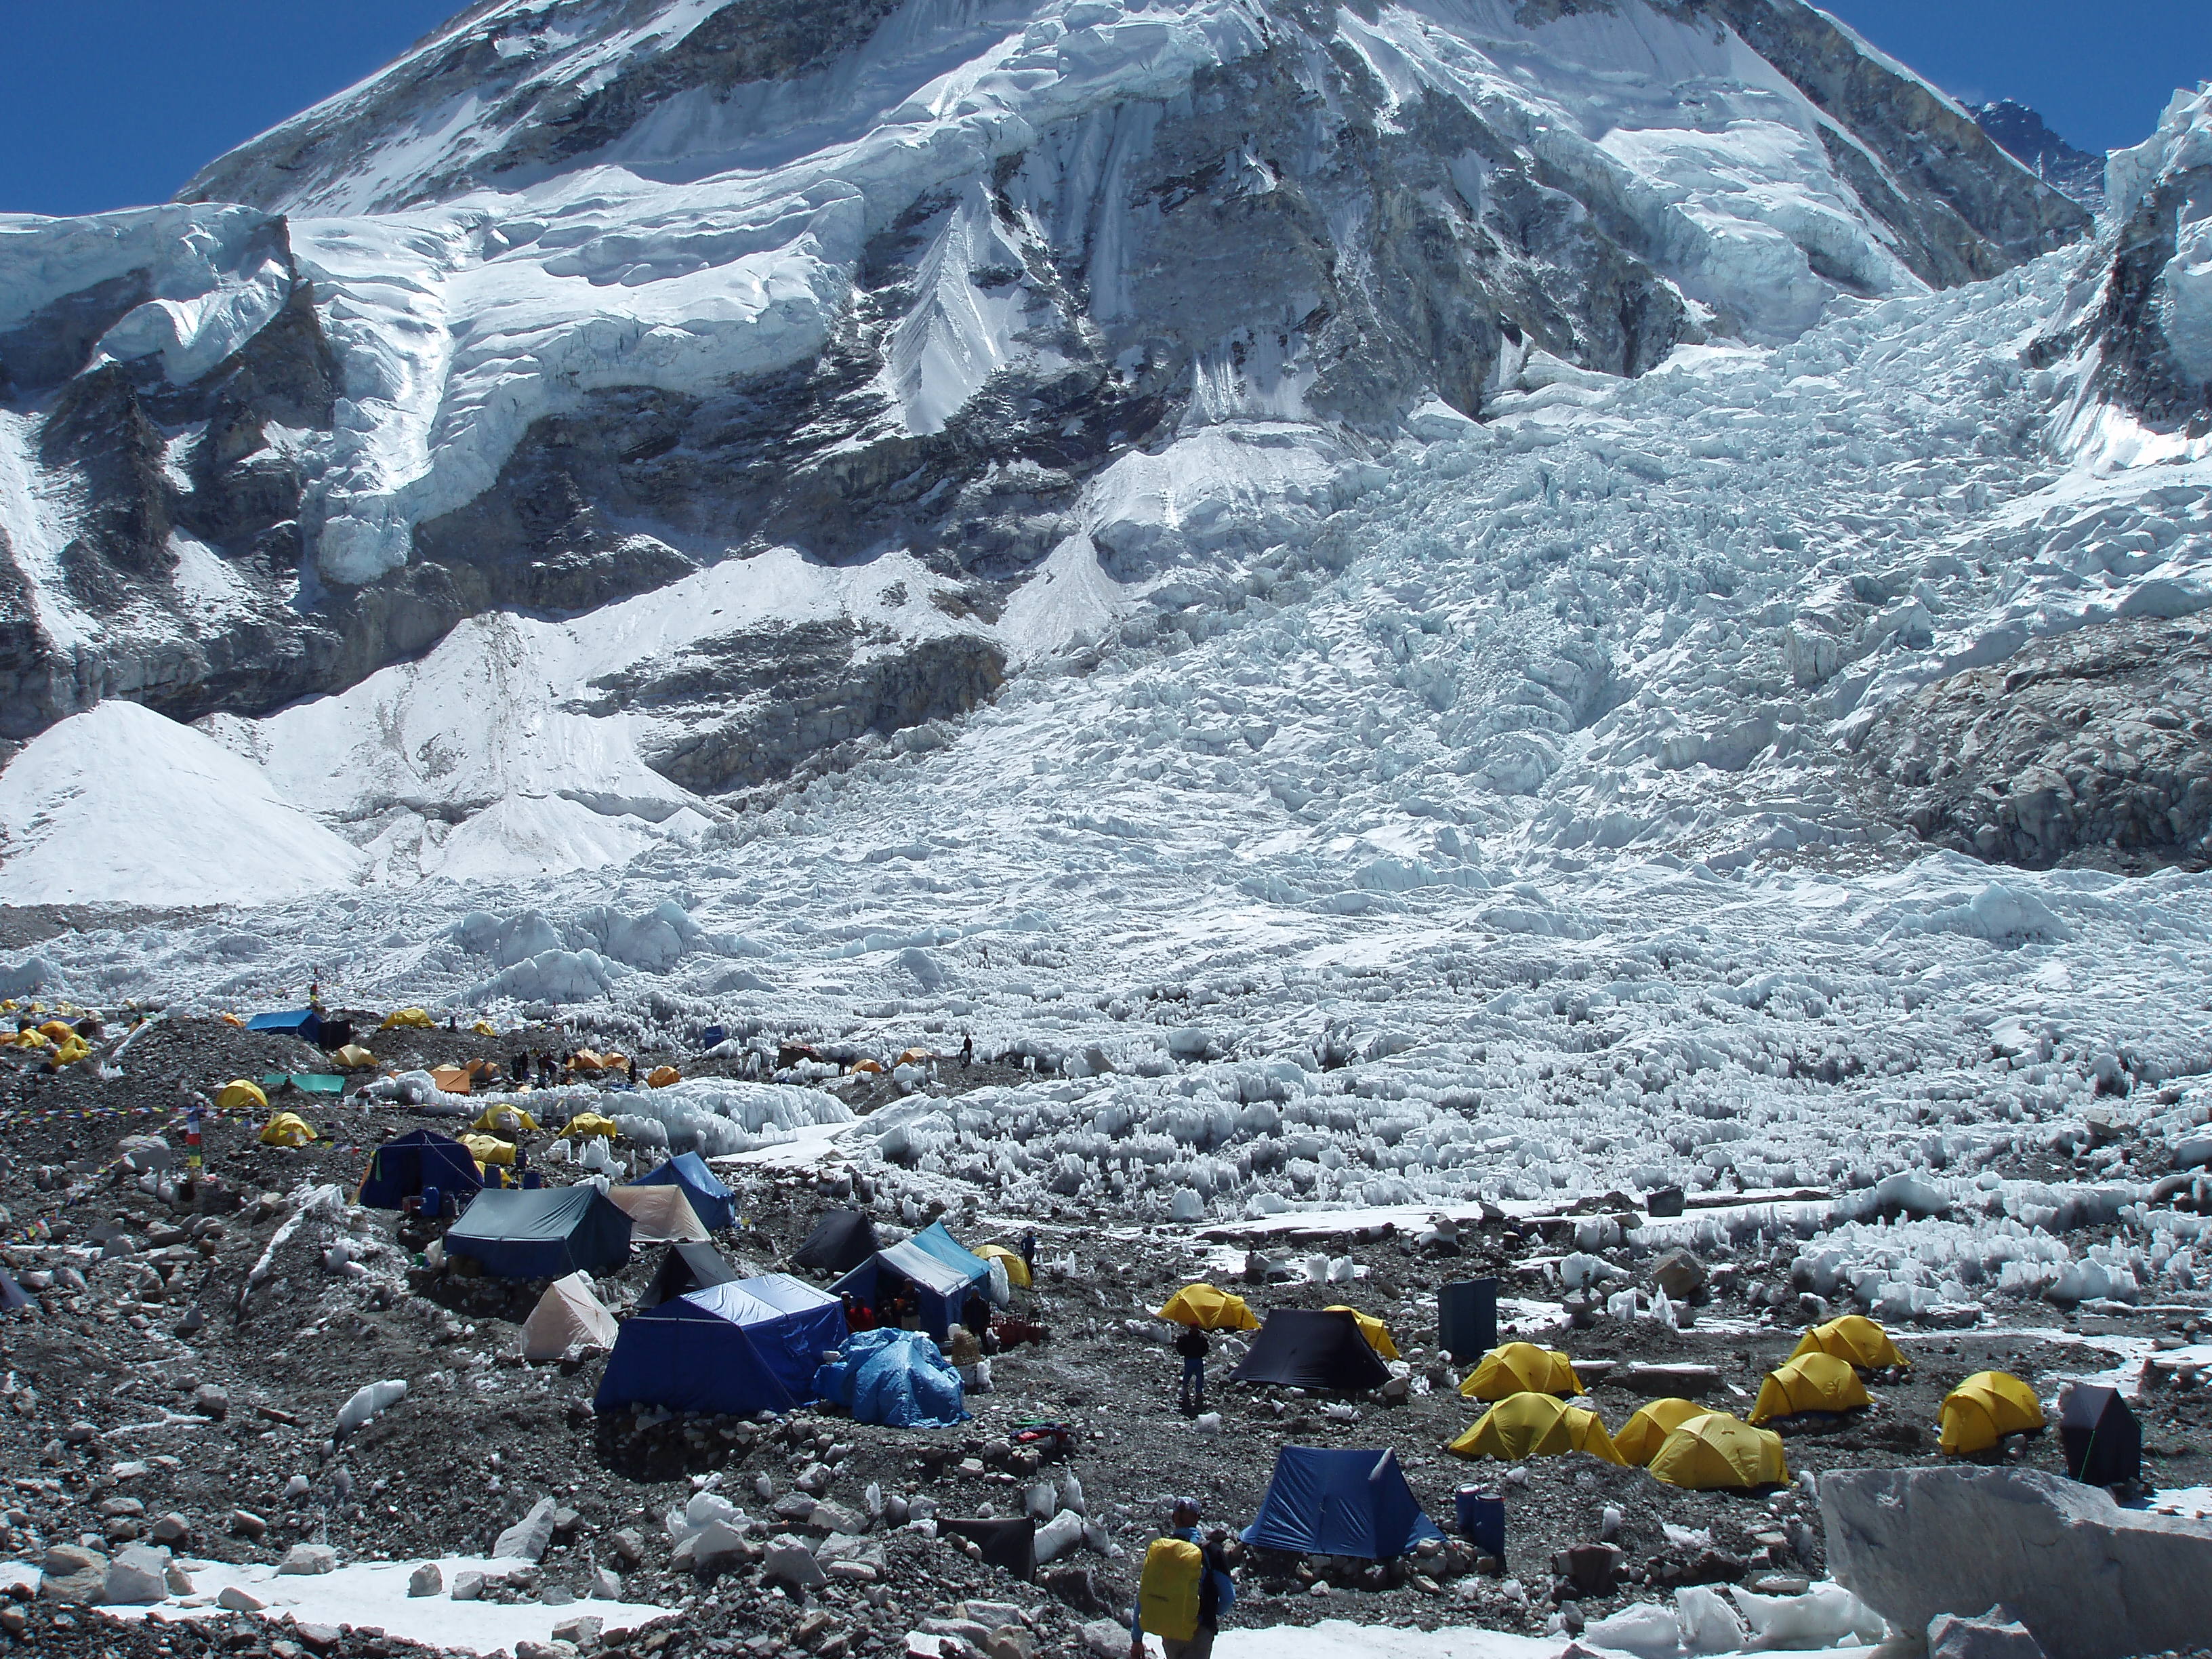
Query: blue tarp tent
x=304, y=1023
x=541, y=1232
x=897, y=1378
x=933, y=1265
x=710, y=1199
x=1339, y=1502
x=752, y=1345
x=403, y=1166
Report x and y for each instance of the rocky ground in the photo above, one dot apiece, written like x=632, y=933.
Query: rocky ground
x=179, y=1377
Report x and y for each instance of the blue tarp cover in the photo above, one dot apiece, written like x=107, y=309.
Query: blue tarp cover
x=1326, y=1501
x=710, y=1199
x=897, y=1378
x=405, y=1165
x=306, y=1021
x=751, y=1345
x=541, y=1232
x=935, y=1265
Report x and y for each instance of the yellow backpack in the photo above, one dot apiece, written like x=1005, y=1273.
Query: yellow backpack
x=1168, y=1594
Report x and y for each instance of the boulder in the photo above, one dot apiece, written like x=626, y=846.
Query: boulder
x=605, y=1584
x=73, y=1574
x=467, y=1586
x=138, y=1576
x=1679, y=1274
x=717, y=1545
x=583, y=1629
x=171, y=1529
x=2087, y=1578
x=246, y=1524
x=790, y=1562
x=232, y=1599
x=426, y=1580
x=306, y=1560
x=527, y=1539
x=1995, y=1635
x=1103, y=1638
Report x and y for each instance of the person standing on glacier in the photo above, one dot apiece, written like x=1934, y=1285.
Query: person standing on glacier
x=1190, y=1393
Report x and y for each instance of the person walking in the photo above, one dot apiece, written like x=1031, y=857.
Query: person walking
x=1028, y=1253
x=1185, y=1590
x=1190, y=1394
x=967, y=1049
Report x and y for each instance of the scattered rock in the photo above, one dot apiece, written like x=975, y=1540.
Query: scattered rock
x=426, y=1580
x=468, y=1586
x=1994, y=1635
x=790, y=1562
x=308, y=1560
x=171, y=1529
x=528, y=1538
x=606, y=1585
x=73, y=1574
x=246, y=1524
x=583, y=1629
x=209, y=1401
x=136, y=1577
x=629, y=1545
x=1679, y=1274
x=232, y=1599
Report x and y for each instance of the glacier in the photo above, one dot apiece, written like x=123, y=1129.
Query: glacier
x=1393, y=774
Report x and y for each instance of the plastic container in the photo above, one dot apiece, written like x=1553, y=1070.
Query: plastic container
x=1481, y=1514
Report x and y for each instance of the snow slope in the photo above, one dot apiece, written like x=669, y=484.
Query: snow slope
x=120, y=805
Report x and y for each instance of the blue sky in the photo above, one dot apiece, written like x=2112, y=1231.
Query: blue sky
x=108, y=103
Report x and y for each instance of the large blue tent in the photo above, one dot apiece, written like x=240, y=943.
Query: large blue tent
x=750, y=1345
x=541, y=1232
x=402, y=1167
x=933, y=1265
x=710, y=1199
x=898, y=1378
x=1326, y=1501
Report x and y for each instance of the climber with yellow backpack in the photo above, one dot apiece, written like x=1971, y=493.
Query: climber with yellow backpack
x=1185, y=1590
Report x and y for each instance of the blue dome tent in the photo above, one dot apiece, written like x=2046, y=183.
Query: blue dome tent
x=1326, y=1501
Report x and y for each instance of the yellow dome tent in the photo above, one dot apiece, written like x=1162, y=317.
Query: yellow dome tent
x=1536, y=1425
x=353, y=1058
x=418, y=1018
x=662, y=1076
x=1206, y=1309
x=1376, y=1333
x=488, y=1121
x=1521, y=1368
x=1985, y=1408
x=489, y=1149
x=485, y=1028
x=1017, y=1271
x=585, y=1125
x=70, y=1050
x=238, y=1095
x=1714, y=1452
x=1855, y=1339
x=452, y=1079
x=287, y=1129
x=1809, y=1383
x=1646, y=1430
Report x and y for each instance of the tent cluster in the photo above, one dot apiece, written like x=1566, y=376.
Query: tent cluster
x=932, y=1270
x=1823, y=1374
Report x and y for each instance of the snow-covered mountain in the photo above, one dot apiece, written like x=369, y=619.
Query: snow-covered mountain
x=578, y=300
x=2027, y=138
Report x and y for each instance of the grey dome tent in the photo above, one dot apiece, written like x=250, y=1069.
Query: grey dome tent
x=1324, y=1353
x=840, y=1242
x=541, y=1232
x=710, y=1199
x=686, y=1267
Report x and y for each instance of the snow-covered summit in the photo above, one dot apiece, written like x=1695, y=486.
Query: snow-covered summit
x=581, y=297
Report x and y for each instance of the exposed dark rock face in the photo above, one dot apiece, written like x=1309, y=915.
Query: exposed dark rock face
x=2028, y=138
x=2137, y=365
x=1971, y=214
x=2095, y=741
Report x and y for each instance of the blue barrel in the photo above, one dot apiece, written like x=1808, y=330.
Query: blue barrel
x=1482, y=1519
x=433, y=1203
x=531, y=1181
